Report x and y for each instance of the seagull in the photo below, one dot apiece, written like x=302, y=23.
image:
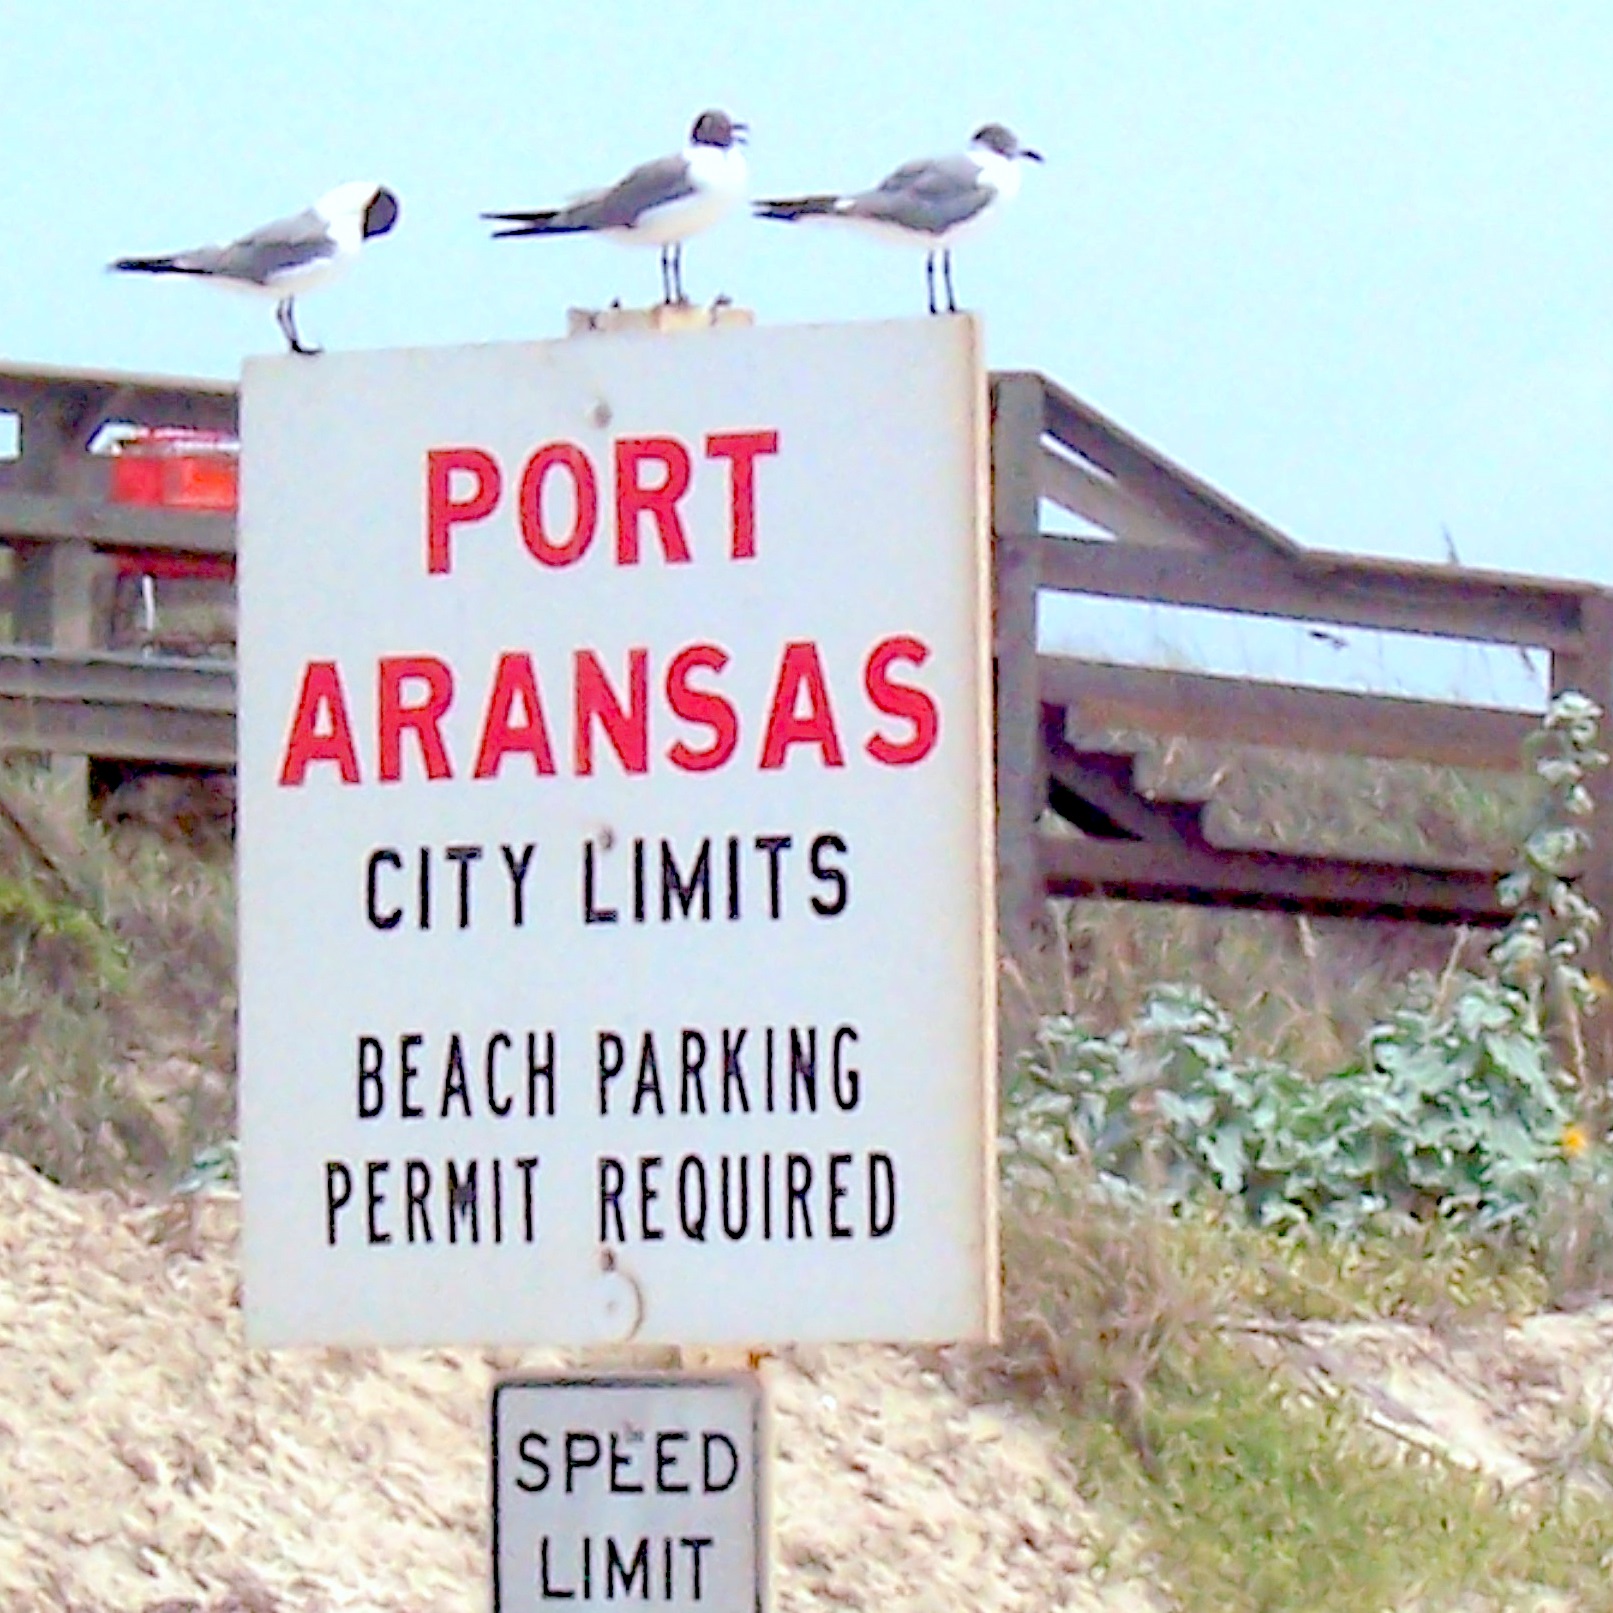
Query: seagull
x=932, y=202
x=290, y=256
x=660, y=203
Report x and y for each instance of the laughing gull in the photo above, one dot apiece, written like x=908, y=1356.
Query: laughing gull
x=660, y=203
x=290, y=256
x=931, y=203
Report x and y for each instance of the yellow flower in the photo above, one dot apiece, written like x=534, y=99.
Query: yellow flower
x=1575, y=1140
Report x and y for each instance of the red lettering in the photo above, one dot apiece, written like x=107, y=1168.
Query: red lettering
x=703, y=706
x=626, y=727
x=585, y=502
x=443, y=511
x=900, y=700
x=800, y=672
x=659, y=503
x=741, y=449
x=515, y=685
x=423, y=718
x=320, y=729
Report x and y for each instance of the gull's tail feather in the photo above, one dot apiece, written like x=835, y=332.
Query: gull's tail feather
x=790, y=208
x=551, y=221
x=173, y=263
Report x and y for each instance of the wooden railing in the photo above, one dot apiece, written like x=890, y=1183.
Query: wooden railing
x=1166, y=538
x=1169, y=539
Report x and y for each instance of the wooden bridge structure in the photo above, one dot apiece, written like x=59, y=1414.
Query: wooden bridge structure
x=1072, y=821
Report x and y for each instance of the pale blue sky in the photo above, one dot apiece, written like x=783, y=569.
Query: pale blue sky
x=1348, y=261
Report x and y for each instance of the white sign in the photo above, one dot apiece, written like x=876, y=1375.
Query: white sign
x=616, y=907
x=629, y=1490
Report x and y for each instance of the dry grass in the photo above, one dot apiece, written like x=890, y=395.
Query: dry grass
x=117, y=994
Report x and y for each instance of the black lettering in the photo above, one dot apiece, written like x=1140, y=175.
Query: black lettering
x=462, y=857
x=844, y=1077
x=881, y=1195
x=385, y=856
x=408, y=1074
x=529, y=1449
x=592, y=913
x=774, y=846
x=734, y=1179
x=371, y=1089
x=634, y=1576
x=696, y=1545
x=710, y=1442
x=537, y=1072
x=464, y=1203
x=612, y=1058
x=548, y=1592
x=497, y=1043
x=425, y=887
x=693, y=1049
x=804, y=1069
x=518, y=872
x=374, y=1198
x=578, y=1441
x=675, y=889
x=647, y=1195
x=665, y=1462
x=649, y=1077
x=456, y=1083
x=829, y=907
x=338, y=1192
x=838, y=1163
x=416, y=1188
x=612, y=1183
x=691, y=1218
x=527, y=1167
x=621, y=1461
x=798, y=1177
x=733, y=1073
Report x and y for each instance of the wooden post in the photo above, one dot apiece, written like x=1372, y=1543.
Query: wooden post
x=1016, y=436
x=1589, y=670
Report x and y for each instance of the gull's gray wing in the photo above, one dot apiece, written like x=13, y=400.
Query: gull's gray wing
x=257, y=257
x=930, y=196
x=620, y=206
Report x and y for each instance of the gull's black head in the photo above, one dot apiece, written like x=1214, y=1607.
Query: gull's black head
x=717, y=129
x=995, y=137
x=381, y=213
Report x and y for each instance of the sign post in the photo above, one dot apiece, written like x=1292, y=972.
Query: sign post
x=617, y=918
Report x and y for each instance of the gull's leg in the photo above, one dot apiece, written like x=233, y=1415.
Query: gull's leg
x=946, y=272
x=285, y=314
x=677, y=273
x=666, y=275
x=929, y=280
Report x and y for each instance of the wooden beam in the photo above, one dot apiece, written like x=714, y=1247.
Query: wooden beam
x=1110, y=505
x=120, y=706
x=1243, y=711
x=1267, y=881
x=1219, y=523
x=1440, y=601
x=118, y=678
x=51, y=518
x=1016, y=431
x=120, y=733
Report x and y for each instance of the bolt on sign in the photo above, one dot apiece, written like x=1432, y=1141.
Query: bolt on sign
x=615, y=840
x=647, y=1491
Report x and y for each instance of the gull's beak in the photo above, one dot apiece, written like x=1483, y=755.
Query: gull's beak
x=1033, y=156
x=740, y=131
